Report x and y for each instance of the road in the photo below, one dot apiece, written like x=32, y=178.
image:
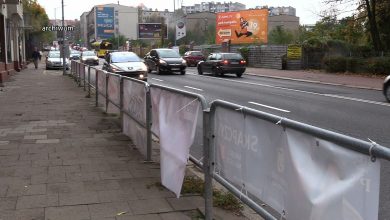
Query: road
x=359, y=113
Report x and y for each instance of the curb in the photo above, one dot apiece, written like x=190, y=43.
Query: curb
x=314, y=81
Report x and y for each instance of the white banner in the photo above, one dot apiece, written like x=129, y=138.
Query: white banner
x=180, y=30
x=113, y=94
x=102, y=88
x=295, y=173
x=176, y=124
x=134, y=103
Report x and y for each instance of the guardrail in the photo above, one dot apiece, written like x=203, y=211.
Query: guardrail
x=267, y=161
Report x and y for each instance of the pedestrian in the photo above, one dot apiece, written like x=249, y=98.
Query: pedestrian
x=36, y=57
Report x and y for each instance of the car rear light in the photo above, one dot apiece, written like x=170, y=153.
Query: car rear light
x=242, y=62
x=225, y=62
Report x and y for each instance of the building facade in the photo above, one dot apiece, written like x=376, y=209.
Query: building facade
x=287, y=22
x=12, y=43
x=214, y=7
x=105, y=21
x=83, y=29
x=149, y=16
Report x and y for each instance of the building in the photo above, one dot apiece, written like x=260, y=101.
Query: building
x=150, y=16
x=83, y=29
x=287, y=22
x=12, y=41
x=199, y=22
x=73, y=32
x=106, y=21
x=213, y=7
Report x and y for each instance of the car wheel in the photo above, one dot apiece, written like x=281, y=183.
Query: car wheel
x=214, y=72
x=158, y=71
x=183, y=72
x=200, y=71
x=387, y=92
x=238, y=74
x=149, y=70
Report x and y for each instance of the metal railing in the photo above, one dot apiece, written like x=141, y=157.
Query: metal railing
x=208, y=117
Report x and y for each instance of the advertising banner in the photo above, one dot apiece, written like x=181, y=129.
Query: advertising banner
x=180, y=30
x=298, y=175
x=177, y=117
x=105, y=22
x=102, y=88
x=134, y=104
x=113, y=94
x=151, y=31
x=242, y=27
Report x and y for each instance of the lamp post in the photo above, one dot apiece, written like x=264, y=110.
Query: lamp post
x=63, y=41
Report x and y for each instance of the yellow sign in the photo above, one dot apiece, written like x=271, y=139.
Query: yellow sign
x=294, y=52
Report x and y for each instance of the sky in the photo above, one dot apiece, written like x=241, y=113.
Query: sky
x=306, y=10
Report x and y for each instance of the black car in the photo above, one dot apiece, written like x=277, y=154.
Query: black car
x=221, y=63
x=165, y=60
x=126, y=64
x=386, y=88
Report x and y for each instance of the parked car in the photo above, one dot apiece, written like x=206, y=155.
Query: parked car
x=386, y=88
x=55, y=61
x=74, y=55
x=193, y=57
x=222, y=63
x=126, y=64
x=165, y=60
x=89, y=57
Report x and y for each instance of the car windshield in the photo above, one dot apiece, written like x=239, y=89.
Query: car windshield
x=168, y=54
x=232, y=56
x=54, y=55
x=75, y=53
x=196, y=54
x=124, y=57
x=89, y=53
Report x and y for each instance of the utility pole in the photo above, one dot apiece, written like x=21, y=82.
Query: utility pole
x=63, y=40
x=174, y=16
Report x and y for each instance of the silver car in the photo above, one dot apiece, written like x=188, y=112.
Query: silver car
x=55, y=61
x=89, y=57
x=126, y=64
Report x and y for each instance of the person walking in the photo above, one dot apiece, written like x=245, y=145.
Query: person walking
x=36, y=56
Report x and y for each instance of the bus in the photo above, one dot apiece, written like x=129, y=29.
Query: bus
x=101, y=47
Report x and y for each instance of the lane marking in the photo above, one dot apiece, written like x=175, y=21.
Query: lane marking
x=158, y=79
x=301, y=91
x=270, y=107
x=193, y=88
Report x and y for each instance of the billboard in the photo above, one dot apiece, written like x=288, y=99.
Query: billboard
x=241, y=27
x=105, y=22
x=151, y=31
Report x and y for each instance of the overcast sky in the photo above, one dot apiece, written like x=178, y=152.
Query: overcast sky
x=306, y=10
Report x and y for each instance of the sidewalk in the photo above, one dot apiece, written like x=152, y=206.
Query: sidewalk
x=353, y=80
x=63, y=159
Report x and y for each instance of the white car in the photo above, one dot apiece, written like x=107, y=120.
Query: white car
x=386, y=88
x=55, y=61
x=126, y=64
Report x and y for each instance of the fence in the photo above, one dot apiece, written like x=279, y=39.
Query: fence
x=279, y=167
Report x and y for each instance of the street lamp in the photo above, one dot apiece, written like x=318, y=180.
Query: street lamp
x=63, y=41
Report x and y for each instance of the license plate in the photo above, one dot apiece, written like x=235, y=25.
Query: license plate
x=175, y=68
x=234, y=62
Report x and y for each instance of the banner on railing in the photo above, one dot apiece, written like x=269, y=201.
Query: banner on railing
x=114, y=94
x=298, y=175
x=174, y=121
x=134, y=104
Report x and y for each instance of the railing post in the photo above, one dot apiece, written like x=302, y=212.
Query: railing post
x=79, y=75
x=97, y=88
x=121, y=79
x=77, y=68
x=89, y=82
x=148, y=125
x=207, y=166
x=107, y=77
x=84, y=77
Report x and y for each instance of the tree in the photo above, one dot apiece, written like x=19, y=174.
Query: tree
x=279, y=35
x=369, y=8
x=114, y=41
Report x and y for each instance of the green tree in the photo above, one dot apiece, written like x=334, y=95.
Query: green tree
x=121, y=39
x=37, y=17
x=280, y=36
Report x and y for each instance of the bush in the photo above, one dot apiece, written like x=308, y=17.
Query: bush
x=335, y=64
x=245, y=53
x=379, y=65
